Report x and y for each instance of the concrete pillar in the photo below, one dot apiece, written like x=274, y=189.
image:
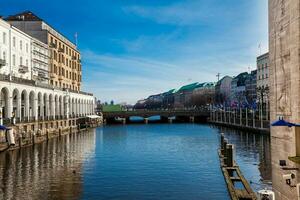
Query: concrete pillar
x=67, y=111
x=42, y=104
x=52, y=102
x=9, y=106
x=47, y=110
x=19, y=105
x=34, y=109
x=26, y=108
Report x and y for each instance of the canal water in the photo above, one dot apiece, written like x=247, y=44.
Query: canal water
x=154, y=161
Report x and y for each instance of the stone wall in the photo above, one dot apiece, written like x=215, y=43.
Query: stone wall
x=284, y=45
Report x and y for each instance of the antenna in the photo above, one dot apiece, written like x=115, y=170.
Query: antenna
x=218, y=76
x=76, y=39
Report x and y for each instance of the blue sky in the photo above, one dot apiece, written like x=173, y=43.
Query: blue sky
x=134, y=48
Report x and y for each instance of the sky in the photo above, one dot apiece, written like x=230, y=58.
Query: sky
x=135, y=48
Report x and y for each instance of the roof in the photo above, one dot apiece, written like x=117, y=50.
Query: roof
x=24, y=16
x=30, y=16
x=241, y=78
x=189, y=87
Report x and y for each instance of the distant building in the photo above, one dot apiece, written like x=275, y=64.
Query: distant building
x=183, y=96
x=263, y=77
x=204, y=94
x=251, y=87
x=223, y=91
x=168, y=99
x=238, y=89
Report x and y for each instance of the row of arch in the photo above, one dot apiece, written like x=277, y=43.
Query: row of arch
x=32, y=105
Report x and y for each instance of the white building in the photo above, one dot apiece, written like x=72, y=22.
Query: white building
x=15, y=52
x=20, y=54
x=263, y=77
x=4, y=47
x=40, y=61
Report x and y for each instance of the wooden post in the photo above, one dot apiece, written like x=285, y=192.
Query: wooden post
x=230, y=155
x=222, y=143
x=146, y=120
x=225, y=151
x=225, y=118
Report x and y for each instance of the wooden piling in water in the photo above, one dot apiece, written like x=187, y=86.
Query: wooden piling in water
x=232, y=173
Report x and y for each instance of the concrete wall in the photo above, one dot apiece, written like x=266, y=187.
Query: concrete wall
x=284, y=46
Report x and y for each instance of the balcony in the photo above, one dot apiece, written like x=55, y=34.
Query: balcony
x=23, y=69
x=52, y=75
x=42, y=75
x=53, y=45
x=60, y=77
x=2, y=62
x=60, y=50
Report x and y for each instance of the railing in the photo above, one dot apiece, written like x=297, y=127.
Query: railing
x=242, y=118
x=23, y=69
x=53, y=45
x=2, y=62
x=36, y=83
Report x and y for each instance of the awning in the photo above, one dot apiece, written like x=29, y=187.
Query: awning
x=282, y=122
x=4, y=128
x=93, y=116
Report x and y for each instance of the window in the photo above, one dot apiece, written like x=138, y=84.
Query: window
x=26, y=62
x=21, y=60
x=14, y=60
x=4, y=55
x=27, y=47
x=4, y=38
x=21, y=45
x=14, y=41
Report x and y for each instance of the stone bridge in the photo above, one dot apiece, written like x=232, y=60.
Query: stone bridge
x=165, y=115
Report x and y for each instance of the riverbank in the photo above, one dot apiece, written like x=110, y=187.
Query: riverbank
x=23, y=135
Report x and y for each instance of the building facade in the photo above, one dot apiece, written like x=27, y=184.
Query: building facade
x=65, y=59
x=223, y=91
x=40, y=61
x=238, y=90
x=263, y=77
x=251, y=84
x=31, y=102
x=284, y=50
x=15, y=52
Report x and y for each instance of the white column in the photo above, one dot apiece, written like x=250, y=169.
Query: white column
x=18, y=114
x=34, y=109
x=9, y=106
x=26, y=111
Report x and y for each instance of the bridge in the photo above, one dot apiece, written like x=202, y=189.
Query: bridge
x=165, y=115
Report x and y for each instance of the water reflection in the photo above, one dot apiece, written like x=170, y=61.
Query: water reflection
x=253, y=154
x=154, y=161
x=50, y=170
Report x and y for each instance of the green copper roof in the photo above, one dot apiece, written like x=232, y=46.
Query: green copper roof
x=189, y=87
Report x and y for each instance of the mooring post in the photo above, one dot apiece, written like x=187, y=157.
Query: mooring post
x=222, y=143
x=230, y=155
x=146, y=120
x=224, y=150
x=246, y=116
x=254, y=111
